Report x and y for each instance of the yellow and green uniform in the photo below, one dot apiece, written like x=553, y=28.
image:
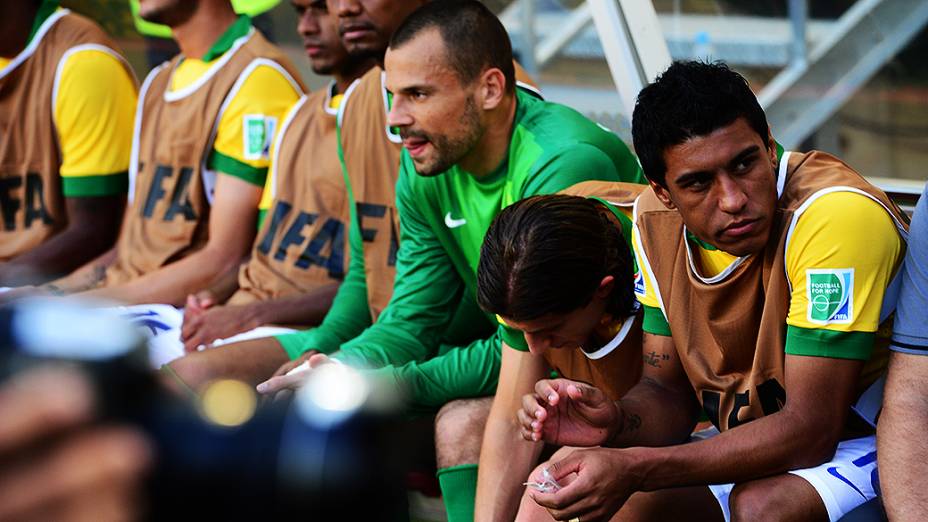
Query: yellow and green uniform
x=823, y=287
x=249, y=121
x=199, y=118
x=65, y=133
x=838, y=229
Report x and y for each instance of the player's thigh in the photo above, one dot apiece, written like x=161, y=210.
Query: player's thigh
x=783, y=497
x=251, y=361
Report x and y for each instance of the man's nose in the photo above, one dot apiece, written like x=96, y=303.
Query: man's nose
x=731, y=195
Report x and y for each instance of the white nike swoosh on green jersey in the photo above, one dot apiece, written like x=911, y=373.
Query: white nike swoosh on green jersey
x=454, y=223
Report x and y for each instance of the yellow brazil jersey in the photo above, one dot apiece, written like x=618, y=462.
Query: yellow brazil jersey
x=93, y=119
x=843, y=241
x=252, y=113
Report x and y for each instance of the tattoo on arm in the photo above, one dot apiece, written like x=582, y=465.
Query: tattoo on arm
x=654, y=359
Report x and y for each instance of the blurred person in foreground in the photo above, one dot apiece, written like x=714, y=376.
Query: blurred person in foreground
x=54, y=463
x=902, y=448
x=67, y=102
x=765, y=276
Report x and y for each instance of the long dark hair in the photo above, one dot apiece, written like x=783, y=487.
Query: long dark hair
x=547, y=255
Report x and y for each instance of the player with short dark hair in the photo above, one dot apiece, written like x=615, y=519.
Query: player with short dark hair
x=478, y=44
x=765, y=276
x=557, y=273
x=470, y=148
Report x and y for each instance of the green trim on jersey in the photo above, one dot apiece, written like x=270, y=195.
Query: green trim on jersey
x=46, y=9
x=699, y=242
x=513, y=338
x=262, y=213
x=93, y=186
x=219, y=162
x=829, y=343
x=654, y=321
x=235, y=31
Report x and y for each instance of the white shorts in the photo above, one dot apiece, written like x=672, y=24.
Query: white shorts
x=162, y=323
x=849, y=480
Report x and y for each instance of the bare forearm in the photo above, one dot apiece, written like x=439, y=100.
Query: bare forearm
x=88, y=276
x=302, y=309
x=902, y=447
x=226, y=283
x=651, y=415
x=767, y=446
x=505, y=463
x=173, y=283
x=60, y=255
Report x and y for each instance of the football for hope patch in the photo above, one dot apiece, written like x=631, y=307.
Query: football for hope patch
x=257, y=133
x=830, y=293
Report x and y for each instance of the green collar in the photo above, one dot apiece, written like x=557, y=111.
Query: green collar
x=235, y=31
x=46, y=9
x=623, y=220
x=702, y=244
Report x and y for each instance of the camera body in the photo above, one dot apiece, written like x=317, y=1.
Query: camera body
x=285, y=458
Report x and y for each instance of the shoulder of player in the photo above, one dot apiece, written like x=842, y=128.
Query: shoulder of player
x=829, y=208
x=93, y=61
x=264, y=76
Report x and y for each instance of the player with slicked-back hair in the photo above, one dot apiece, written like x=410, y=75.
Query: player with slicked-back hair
x=556, y=271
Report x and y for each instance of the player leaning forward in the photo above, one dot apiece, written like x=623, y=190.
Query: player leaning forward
x=770, y=269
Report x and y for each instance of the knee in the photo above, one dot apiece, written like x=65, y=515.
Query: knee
x=191, y=370
x=753, y=503
x=459, y=431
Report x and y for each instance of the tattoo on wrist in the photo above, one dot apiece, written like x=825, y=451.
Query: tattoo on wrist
x=654, y=359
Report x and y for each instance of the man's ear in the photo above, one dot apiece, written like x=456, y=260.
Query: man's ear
x=662, y=194
x=771, y=148
x=493, y=88
x=605, y=287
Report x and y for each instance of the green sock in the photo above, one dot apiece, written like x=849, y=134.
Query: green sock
x=458, y=491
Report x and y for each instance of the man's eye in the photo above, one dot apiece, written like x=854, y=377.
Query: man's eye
x=744, y=165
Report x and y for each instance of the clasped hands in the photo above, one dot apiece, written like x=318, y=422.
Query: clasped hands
x=595, y=482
